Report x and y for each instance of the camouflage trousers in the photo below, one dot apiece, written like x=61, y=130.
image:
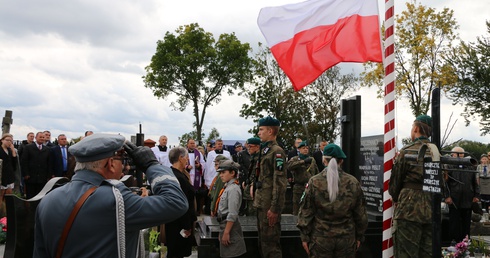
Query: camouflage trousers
x=336, y=247
x=412, y=239
x=269, y=237
x=250, y=210
x=298, y=190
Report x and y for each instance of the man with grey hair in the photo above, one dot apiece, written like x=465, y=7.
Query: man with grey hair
x=461, y=191
x=99, y=209
x=181, y=245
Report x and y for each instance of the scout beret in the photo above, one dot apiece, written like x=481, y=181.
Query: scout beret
x=424, y=119
x=333, y=151
x=97, y=147
x=228, y=165
x=269, y=121
x=253, y=140
x=237, y=144
x=303, y=143
x=220, y=158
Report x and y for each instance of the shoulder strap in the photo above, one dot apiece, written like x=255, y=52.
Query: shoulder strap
x=69, y=222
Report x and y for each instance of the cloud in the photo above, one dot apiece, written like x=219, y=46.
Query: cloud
x=73, y=66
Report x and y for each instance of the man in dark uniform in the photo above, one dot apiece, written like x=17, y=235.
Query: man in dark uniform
x=461, y=191
x=302, y=167
x=270, y=188
x=110, y=220
x=253, y=148
x=412, y=217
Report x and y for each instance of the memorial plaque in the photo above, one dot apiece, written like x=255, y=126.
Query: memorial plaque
x=371, y=171
x=432, y=177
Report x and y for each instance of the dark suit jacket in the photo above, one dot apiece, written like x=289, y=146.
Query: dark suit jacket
x=36, y=164
x=318, y=156
x=58, y=161
x=292, y=153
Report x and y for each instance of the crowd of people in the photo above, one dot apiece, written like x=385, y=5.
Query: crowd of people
x=328, y=201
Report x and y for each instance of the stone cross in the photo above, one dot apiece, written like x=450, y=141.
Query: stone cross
x=7, y=121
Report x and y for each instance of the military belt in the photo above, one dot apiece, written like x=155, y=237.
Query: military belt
x=412, y=186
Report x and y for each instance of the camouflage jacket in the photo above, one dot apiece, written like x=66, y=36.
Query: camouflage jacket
x=301, y=172
x=272, y=176
x=405, y=186
x=345, y=217
x=249, y=182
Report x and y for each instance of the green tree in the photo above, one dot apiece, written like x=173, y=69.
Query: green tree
x=190, y=135
x=324, y=96
x=472, y=63
x=423, y=40
x=476, y=149
x=310, y=113
x=213, y=134
x=272, y=94
x=197, y=69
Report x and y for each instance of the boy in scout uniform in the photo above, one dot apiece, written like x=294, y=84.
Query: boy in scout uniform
x=270, y=188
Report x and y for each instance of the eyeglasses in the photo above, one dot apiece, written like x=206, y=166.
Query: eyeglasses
x=123, y=160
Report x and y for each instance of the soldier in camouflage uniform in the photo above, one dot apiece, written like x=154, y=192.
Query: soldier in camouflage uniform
x=412, y=227
x=270, y=189
x=253, y=149
x=302, y=167
x=332, y=216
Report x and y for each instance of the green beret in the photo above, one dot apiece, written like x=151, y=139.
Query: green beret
x=97, y=147
x=269, y=121
x=303, y=143
x=333, y=151
x=424, y=119
x=220, y=158
x=253, y=140
x=228, y=165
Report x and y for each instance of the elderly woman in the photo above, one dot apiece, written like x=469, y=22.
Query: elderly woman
x=332, y=216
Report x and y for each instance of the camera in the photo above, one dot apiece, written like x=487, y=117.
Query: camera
x=136, y=190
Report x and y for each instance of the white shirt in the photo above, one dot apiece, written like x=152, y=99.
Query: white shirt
x=162, y=156
x=210, y=172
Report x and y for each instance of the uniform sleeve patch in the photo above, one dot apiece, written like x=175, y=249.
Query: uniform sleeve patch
x=279, y=162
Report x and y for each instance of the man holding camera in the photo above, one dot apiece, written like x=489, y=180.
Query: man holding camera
x=95, y=215
x=270, y=188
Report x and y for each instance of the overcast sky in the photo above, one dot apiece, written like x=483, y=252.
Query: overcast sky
x=72, y=66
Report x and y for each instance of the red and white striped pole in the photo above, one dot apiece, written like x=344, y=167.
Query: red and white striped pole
x=389, y=136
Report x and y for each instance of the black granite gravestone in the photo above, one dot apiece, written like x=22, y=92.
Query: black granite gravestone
x=20, y=221
x=207, y=232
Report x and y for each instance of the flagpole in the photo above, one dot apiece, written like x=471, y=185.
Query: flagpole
x=389, y=119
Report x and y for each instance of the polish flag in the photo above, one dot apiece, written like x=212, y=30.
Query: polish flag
x=308, y=38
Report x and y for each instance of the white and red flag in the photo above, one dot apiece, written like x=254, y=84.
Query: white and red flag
x=308, y=38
